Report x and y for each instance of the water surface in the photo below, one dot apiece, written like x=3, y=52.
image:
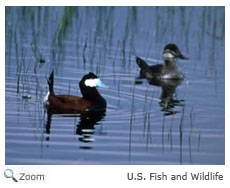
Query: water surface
x=177, y=123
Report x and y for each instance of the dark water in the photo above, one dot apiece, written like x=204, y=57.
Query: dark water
x=177, y=123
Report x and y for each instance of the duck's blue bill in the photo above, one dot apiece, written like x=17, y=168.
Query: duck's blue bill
x=101, y=84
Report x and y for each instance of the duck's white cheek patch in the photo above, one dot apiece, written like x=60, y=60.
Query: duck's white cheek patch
x=91, y=82
x=168, y=55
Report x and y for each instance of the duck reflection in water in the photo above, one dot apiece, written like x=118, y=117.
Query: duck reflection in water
x=86, y=128
x=91, y=107
x=167, y=76
x=168, y=88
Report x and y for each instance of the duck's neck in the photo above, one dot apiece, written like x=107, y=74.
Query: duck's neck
x=170, y=63
x=93, y=96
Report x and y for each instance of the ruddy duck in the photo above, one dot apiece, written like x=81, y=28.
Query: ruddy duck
x=168, y=70
x=90, y=100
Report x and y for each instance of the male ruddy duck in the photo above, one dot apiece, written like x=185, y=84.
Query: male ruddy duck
x=90, y=100
x=168, y=70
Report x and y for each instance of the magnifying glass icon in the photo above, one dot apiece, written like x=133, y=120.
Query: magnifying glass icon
x=8, y=173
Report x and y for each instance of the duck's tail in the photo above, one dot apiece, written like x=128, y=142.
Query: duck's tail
x=141, y=63
x=50, y=82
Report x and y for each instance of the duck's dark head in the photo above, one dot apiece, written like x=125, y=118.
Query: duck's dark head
x=171, y=52
x=88, y=86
